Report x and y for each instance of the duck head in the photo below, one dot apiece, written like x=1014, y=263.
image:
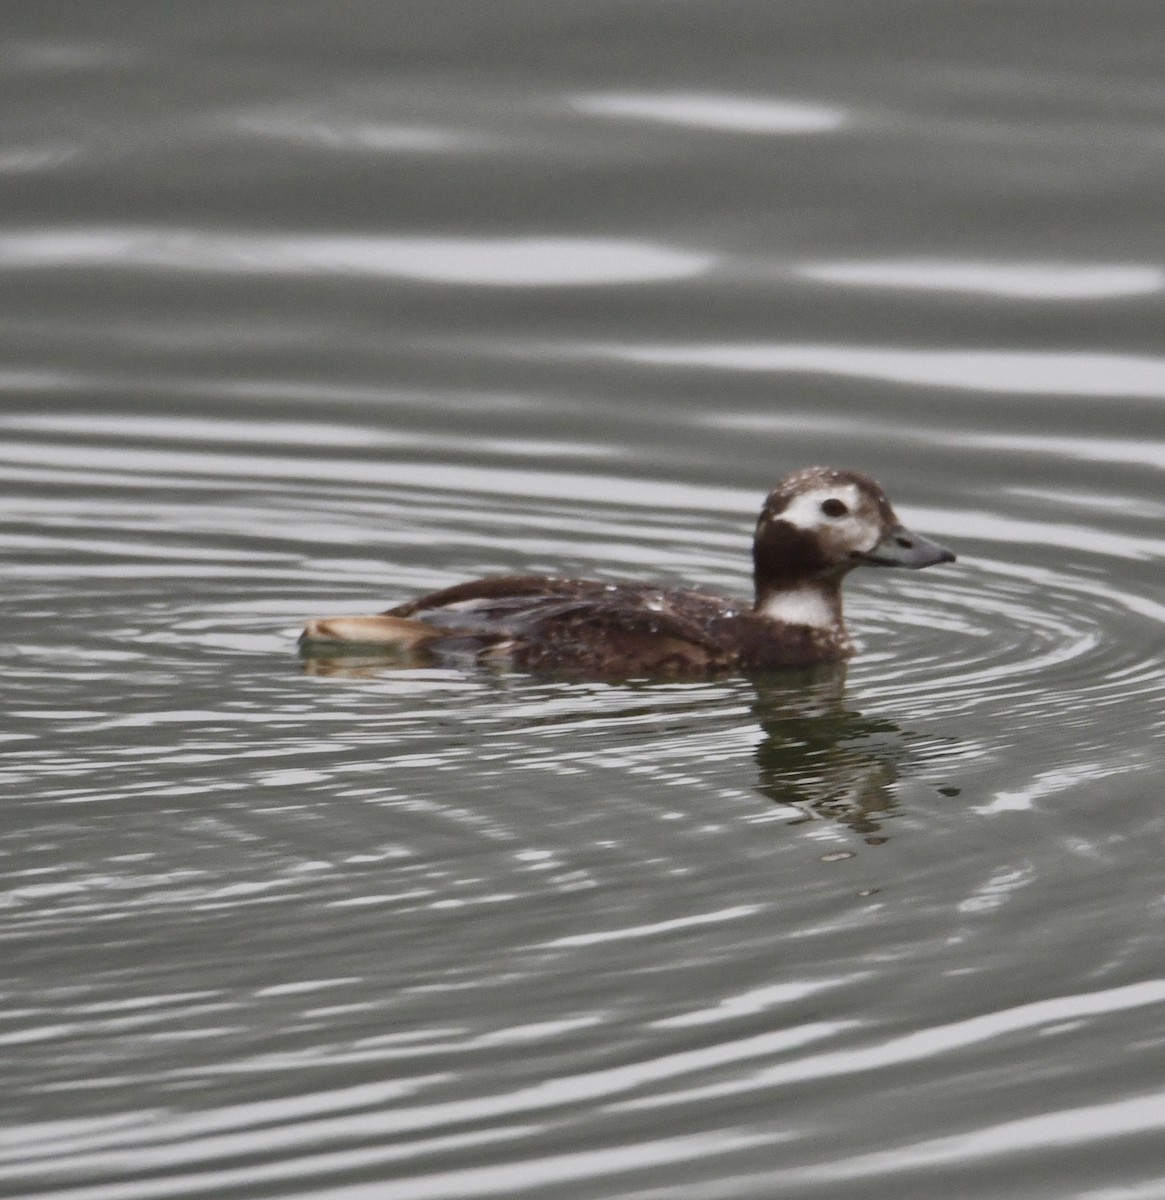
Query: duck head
x=816, y=526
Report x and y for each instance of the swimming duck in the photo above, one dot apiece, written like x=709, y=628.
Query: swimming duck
x=816, y=526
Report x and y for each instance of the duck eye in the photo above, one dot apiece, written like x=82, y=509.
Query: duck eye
x=834, y=508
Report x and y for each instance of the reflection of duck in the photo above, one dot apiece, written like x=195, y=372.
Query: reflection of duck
x=816, y=526
x=822, y=758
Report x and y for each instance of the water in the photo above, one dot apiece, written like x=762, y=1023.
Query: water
x=309, y=308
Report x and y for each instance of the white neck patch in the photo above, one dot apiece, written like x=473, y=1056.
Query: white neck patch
x=800, y=606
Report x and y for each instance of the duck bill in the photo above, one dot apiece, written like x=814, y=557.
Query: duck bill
x=901, y=548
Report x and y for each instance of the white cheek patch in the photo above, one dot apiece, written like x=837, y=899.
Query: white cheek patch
x=804, y=511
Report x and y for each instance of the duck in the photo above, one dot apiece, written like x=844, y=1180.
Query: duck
x=816, y=526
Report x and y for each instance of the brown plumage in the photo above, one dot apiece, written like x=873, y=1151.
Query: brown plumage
x=816, y=525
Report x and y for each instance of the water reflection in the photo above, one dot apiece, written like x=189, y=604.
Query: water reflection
x=823, y=758
x=817, y=756
x=360, y=662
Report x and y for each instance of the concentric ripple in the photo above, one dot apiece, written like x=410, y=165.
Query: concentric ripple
x=310, y=308
x=1061, y=650
x=456, y=933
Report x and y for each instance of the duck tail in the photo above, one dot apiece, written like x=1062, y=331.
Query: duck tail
x=377, y=629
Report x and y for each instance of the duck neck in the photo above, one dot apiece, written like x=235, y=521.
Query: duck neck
x=795, y=581
x=812, y=602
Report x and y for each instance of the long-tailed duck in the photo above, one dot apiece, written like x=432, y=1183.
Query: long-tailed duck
x=816, y=525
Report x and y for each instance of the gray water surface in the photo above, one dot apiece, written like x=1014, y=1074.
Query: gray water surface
x=310, y=307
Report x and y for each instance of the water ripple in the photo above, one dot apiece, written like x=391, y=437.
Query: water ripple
x=1021, y=372
x=398, y=924
x=496, y=262
x=1021, y=281
x=697, y=110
